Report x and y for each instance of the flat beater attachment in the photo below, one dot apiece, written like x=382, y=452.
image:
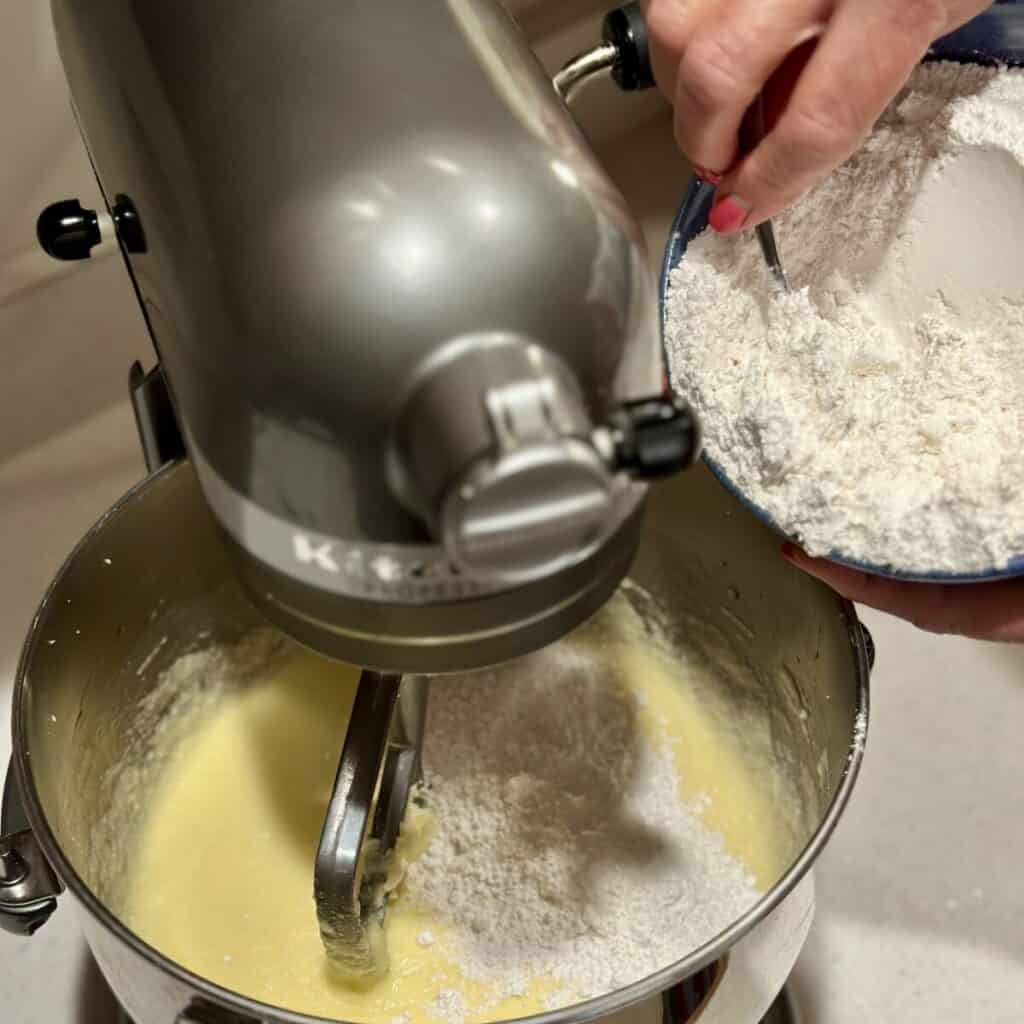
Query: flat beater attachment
x=379, y=766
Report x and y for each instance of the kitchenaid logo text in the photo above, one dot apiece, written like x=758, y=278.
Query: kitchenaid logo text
x=377, y=572
x=310, y=553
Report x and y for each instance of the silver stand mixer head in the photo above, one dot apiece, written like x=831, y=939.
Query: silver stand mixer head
x=407, y=324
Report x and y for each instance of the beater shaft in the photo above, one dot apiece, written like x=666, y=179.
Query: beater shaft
x=379, y=765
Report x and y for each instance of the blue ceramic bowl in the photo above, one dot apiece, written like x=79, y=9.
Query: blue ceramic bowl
x=995, y=37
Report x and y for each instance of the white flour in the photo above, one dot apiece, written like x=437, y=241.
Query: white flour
x=877, y=410
x=565, y=848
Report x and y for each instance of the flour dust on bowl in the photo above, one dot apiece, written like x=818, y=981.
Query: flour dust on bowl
x=874, y=413
x=144, y=650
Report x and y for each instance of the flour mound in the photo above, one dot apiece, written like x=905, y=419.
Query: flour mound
x=877, y=411
x=564, y=849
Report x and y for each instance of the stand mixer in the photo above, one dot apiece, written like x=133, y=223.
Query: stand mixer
x=406, y=335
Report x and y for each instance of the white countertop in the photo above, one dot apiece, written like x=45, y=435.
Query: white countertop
x=921, y=892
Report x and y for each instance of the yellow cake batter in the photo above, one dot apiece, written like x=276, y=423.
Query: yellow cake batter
x=223, y=883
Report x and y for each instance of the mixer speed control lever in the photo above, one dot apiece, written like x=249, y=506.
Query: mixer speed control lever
x=68, y=231
x=651, y=438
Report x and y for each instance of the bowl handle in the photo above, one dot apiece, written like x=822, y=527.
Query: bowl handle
x=28, y=885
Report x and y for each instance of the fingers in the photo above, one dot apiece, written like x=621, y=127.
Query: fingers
x=732, y=50
x=712, y=57
x=863, y=59
x=984, y=611
x=669, y=26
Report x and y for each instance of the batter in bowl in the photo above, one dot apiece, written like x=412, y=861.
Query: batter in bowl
x=591, y=819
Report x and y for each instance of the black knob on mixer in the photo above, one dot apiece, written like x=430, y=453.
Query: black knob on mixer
x=654, y=437
x=626, y=30
x=67, y=231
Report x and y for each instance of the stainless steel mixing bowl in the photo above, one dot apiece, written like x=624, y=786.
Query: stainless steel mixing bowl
x=151, y=581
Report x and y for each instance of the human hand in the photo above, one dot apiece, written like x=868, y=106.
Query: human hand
x=827, y=70
x=982, y=611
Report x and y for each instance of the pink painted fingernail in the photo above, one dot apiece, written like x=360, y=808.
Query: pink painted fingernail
x=728, y=215
x=706, y=174
x=795, y=555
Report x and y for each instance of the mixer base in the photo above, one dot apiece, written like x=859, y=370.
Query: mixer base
x=783, y=1011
